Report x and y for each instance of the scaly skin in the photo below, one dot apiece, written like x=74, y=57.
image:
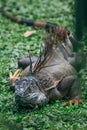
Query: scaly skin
x=56, y=80
x=73, y=58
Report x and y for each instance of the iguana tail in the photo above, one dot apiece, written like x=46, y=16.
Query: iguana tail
x=61, y=32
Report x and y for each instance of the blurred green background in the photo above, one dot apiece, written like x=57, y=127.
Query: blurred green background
x=14, y=45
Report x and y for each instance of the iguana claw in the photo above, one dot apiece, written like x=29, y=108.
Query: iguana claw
x=74, y=102
x=14, y=76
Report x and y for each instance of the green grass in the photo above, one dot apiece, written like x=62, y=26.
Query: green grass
x=14, y=45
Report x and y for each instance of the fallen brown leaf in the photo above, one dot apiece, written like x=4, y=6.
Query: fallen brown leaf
x=29, y=33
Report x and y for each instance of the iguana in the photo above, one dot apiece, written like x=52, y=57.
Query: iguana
x=51, y=78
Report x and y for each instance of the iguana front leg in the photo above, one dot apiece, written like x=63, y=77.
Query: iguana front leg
x=70, y=87
x=14, y=77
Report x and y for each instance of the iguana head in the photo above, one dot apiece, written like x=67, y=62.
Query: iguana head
x=28, y=93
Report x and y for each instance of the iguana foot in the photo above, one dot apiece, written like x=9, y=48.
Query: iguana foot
x=74, y=102
x=14, y=76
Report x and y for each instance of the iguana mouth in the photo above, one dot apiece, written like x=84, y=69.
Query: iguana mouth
x=31, y=99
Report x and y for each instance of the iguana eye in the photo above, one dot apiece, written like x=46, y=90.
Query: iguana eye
x=31, y=88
